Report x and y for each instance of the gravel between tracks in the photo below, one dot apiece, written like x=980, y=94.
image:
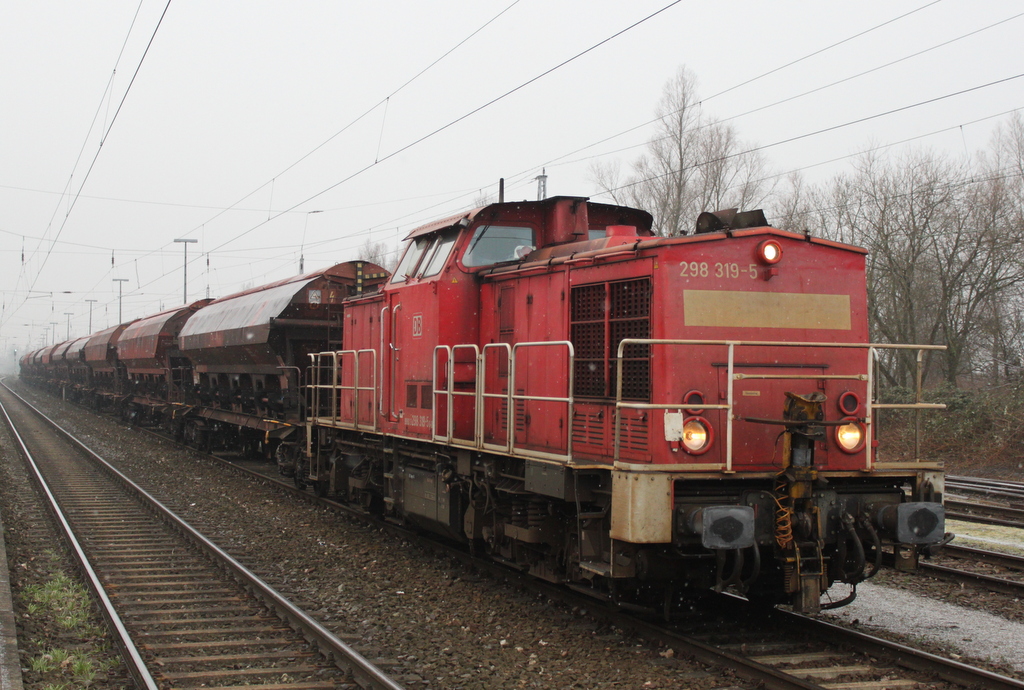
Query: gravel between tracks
x=971, y=633
x=454, y=628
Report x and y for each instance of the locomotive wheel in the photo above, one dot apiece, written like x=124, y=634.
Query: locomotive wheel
x=321, y=487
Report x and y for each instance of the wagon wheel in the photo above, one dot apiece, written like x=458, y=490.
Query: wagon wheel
x=284, y=456
x=300, y=472
x=188, y=434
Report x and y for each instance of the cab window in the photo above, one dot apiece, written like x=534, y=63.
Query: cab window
x=439, y=252
x=492, y=244
x=413, y=254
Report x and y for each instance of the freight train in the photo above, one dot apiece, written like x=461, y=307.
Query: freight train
x=552, y=384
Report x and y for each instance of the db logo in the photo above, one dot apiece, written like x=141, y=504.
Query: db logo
x=417, y=325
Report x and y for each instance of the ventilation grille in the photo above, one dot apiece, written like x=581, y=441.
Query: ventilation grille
x=633, y=435
x=602, y=316
x=588, y=430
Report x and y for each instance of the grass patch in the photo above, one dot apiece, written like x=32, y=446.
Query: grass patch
x=63, y=601
x=63, y=604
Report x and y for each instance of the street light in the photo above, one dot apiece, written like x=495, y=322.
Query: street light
x=90, y=301
x=53, y=338
x=119, y=281
x=184, y=295
x=68, y=314
x=302, y=247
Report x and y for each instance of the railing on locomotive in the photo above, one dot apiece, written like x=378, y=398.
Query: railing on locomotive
x=480, y=395
x=315, y=387
x=732, y=377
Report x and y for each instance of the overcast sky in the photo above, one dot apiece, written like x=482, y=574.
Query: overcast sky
x=217, y=138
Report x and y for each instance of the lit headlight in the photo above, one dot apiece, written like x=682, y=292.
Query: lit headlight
x=769, y=252
x=850, y=436
x=697, y=435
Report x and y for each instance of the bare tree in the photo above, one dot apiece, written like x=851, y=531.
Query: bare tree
x=943, y=264
x=380, y=253
x=693, y=163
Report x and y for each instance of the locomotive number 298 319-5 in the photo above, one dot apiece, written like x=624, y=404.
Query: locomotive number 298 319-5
x=702, y=269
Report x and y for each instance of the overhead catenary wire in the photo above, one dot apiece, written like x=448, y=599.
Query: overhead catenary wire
x=351, y=234
x=409, y=81
x=99, y=148
x=559, y=160
x=748, y=81
x=444, y=127
x=459, y=119
x=832, y=128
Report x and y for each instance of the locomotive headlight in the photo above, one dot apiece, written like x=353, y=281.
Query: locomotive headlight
x=850, y=436
x=697, y=435
x=769, y=252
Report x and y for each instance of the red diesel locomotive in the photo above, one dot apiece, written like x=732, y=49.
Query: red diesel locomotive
x=634, y=415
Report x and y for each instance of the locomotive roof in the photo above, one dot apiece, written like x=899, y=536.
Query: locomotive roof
x=468, y=217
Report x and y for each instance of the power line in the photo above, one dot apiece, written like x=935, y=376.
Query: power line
x=460, y=118
x=823, y=50
x=823, y=130
x=98, y=150
x=559, y=160
x=442, y=128
x=92, y=124
x=363, y=115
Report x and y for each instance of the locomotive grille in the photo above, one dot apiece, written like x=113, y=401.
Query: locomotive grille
x=602, y=316
x=588, y=429
x=520, y=405
x=631, y=299
x=588, y=303
x=633, y=435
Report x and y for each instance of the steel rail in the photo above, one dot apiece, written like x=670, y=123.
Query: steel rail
x=129, y=651
x=984, y=514
x=365, y=673
x=990, y=582
x=902, y=655
x=770, y=677
x=1005, y=560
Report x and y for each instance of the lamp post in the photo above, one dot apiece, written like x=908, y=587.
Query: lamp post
x=91, y=302
x=184, y=292
x=53, y=337
x=119, y=281
x=302, y=247
x=68, y=314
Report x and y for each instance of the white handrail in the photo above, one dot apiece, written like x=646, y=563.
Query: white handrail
x=569, y=399
x=869, y=377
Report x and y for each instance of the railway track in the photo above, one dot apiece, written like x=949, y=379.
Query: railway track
x=1005, y=564
x=185, y=614
x=1012, y=491
x=773, y=651
x=776, y=649
x=986, y=501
